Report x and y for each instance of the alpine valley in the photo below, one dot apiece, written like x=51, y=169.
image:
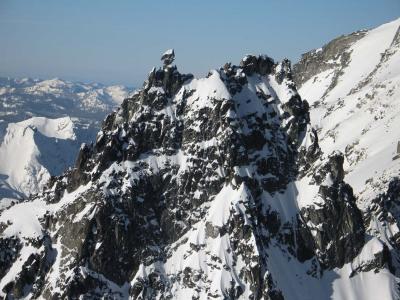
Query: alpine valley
x=259, y=181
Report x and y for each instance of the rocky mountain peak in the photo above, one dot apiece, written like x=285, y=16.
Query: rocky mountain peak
x=195, y=188
x=261, y=64
x=168, y=57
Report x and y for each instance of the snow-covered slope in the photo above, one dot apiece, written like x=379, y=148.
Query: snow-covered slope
x=203, y=188
x=42, y=125
x=31, y=151
x=353, y=87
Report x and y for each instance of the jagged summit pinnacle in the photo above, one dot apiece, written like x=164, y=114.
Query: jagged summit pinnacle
x=168, y=57
x=261, y=64
x=199, y=188
x=168, y=78
x=183, y=157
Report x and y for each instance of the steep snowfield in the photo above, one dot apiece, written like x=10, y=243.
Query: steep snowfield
x=31, y=151
x=359, y=114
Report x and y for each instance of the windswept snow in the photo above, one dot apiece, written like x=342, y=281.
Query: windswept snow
x=206, y=89
x=360, y=115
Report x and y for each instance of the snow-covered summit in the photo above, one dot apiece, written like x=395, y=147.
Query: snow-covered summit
x=200, y=188
x=217, y=187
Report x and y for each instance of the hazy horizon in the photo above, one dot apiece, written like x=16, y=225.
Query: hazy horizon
x=119, y=42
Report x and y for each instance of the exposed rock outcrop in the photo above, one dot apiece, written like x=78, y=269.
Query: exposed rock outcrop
x=190, y=191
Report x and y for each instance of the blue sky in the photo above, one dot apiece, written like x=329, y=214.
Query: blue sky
x=119, y=41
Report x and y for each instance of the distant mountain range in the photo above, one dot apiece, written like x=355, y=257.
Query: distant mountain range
x=23, y=98
x=42, y=126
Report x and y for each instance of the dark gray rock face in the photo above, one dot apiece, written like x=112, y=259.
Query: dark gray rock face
x=262, y=64
x=340, y=239
x=389, y=202
x=385, y=210
x=168, y=57
x=333, y=55
x=381, y=260
x=396, y=39
x=159, y=176
x=31, y=278
x=11, y=247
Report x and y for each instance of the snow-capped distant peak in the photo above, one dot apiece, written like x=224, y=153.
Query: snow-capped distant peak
x=33, y=150
x=62, y=128
x=42, y=123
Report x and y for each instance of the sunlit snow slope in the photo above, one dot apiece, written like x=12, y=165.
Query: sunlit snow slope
x=353, y=87
x=31, y=151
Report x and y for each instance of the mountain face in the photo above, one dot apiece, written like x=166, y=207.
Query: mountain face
x=33, y=150
x=42, y=125
x=221, y=187
x=353, y=87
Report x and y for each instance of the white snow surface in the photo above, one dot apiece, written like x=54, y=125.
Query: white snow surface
x=31, y=151
x=362, y=112
x=168, y=52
